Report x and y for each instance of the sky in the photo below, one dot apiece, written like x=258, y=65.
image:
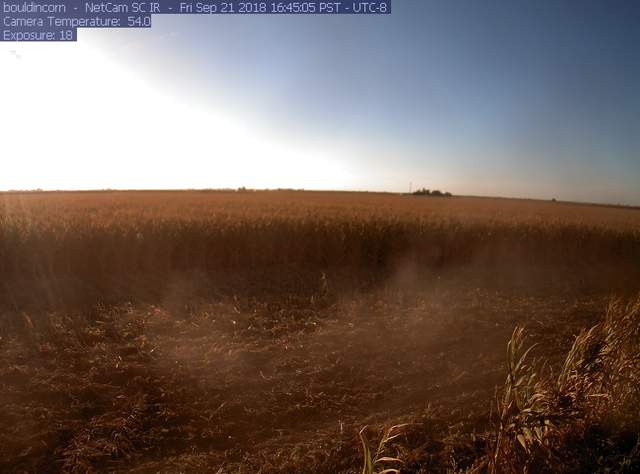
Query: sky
x=514, y=98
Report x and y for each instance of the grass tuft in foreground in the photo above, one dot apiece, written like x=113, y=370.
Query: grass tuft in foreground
x=377, y=462
x=586, y=417
x=580, y=415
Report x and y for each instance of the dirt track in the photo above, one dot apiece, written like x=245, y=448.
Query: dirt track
x=258, y=386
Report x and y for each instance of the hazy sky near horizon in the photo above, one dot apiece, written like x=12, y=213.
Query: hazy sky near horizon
x=537, y=98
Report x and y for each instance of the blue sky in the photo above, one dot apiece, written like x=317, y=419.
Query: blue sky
x=512, y=98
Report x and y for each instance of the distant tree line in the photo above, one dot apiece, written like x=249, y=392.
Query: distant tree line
x=428, y=192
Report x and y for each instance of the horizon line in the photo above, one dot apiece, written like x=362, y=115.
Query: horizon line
x=354, y=191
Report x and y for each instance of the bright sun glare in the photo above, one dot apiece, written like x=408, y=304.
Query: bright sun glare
x=73, y=118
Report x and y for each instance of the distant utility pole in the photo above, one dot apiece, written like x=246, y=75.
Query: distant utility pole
x=410, y=187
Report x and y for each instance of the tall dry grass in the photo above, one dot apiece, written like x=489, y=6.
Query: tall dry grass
x=576, y=416
x=585, y=417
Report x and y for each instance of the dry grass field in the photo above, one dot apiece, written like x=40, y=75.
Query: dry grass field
x=290, y=331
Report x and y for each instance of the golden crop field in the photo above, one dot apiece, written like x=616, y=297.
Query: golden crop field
x=290, y=331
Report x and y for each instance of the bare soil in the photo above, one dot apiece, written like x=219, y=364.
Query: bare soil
x=271, y=385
